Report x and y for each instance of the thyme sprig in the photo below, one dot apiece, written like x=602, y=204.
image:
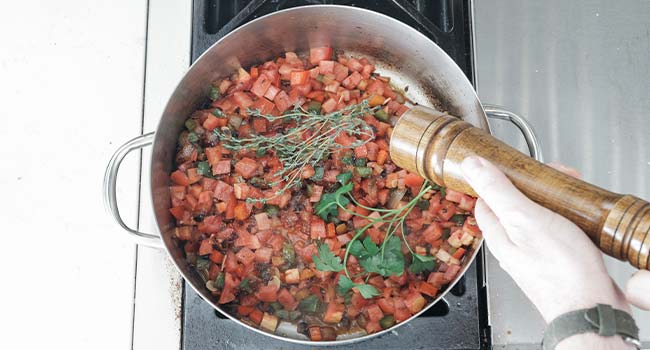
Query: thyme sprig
x=312, y=139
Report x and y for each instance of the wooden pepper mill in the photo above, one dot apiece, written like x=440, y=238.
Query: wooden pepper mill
x=434, y=144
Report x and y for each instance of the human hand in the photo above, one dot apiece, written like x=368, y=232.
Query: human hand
x=549, y=257
x=637, y=290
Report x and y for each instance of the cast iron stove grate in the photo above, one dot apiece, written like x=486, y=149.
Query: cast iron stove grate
x=459, y=321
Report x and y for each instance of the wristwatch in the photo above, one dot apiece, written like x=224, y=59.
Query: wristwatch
x=603, y=320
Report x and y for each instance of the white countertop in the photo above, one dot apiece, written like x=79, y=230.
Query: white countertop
x=77, y=79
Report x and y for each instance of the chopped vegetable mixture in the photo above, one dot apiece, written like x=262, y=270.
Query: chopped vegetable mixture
x=288, y=205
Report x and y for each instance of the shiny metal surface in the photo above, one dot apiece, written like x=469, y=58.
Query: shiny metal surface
x=579, y=71
x=109, y=189
x=532, y=142
x=397, y=50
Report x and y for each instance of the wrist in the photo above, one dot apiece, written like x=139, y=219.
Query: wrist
x=593, y=341
x=601, y=327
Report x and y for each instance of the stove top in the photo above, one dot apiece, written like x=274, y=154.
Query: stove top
x=459, y=321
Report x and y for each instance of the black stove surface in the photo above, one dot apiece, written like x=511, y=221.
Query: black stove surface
x=458, y=321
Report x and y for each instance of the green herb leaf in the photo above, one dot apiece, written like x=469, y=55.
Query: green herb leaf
x=326, y=260
x=203, y=169
x=422, y=263
x=218, y=113
x=423, y=204
x=360, y=162
x=442, y=190
x=390, y=264
x=367, y=291
x=364, y=250
x=319, y=171
x=327, y=207
x=190, y=124
x=459, y=219
x=192, y=137
x=344, y=178
x=214, y=93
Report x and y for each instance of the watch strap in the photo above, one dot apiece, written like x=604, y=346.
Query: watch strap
x=602, y=320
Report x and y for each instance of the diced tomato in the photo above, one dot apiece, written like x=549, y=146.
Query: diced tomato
x=386, y=305
x=376, y=100
x=317, y=54
x=414, y=302
x=334, y=313
x=316, y=193
x=245, y=239
x=268, y=293
x=402, y=313
x=264, y=106
x=256, y=316
x=276, y=242
x=315, y=333
x=451, y=272
x=205, y=200
x=413, y=180
x=213, y=122
x=373, y=327
x=281, y=101
x=177, y=212
x=453, y=196
x=326, y=67
x=299, y=77
x=245, y=256
x=223, y=191
x=329, y=105
x=427, y=289
x=179, y=178
x=292, y=276
x=213, y=154
x=271, y=92
x=210, y=224
x=222, y=167
x=354, y=65
x=437, y=279
x=263, y=221
x=318, y=228
x=246, y=167
x=383, y=195
x=261, y=85
x=245, y=310
x=367, y=70
x=205, y=248
x=432, y=233
x=216, y=257
x=374, y=312
x=470, y=226
x=361, y=151
x=447, y=210
x=287, y=300
x=242, y=99
x=459, y=253
x=331, y=230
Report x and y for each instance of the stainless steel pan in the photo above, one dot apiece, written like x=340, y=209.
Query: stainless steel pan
x=397, y=50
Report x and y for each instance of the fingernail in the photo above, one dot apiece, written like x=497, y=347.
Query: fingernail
x=470, y=165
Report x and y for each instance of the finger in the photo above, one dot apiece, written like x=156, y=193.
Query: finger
x=495, y=235
x=565, y=169
x=505, y=200
x=637, y=290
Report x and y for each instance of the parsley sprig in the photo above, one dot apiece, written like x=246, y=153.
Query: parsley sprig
x=385, y=259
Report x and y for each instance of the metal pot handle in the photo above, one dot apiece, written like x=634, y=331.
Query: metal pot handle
x=110, y=196
x=522, y=124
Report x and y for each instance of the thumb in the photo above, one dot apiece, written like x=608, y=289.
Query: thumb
x=637, y=290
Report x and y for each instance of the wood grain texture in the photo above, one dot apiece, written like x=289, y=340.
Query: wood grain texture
x=433, y=145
